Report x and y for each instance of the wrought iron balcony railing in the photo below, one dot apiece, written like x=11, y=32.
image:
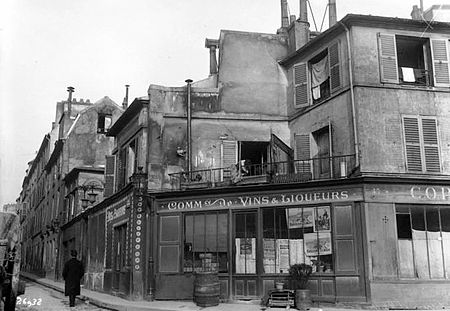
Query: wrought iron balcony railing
x=336, y=167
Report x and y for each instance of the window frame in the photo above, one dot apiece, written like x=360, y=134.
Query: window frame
x=101, y=123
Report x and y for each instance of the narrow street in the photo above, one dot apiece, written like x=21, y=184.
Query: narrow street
x=38, y=297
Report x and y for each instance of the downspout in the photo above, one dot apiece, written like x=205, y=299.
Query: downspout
x=189, y=135
x=352, y=94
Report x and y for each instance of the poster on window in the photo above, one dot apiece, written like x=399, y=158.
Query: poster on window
x=282, y=255
x=300, y=217
x=245, y=255
x=322, y=221
x=317, y=244
x=269, y=255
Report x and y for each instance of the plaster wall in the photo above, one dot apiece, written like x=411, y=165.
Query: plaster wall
x=337, y=111
x=250, y=78
x=379, y=114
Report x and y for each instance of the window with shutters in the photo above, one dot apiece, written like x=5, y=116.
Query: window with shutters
x=421, y=144
x=250, y=157
x=127, y=165
x=413, y=60
x=317, y=79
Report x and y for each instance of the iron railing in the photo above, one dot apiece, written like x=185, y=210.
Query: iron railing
x=336, y=167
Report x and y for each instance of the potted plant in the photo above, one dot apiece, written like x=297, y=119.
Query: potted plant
x=300, y=274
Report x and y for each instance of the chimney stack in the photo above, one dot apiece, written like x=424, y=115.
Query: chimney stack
x=298, y=31
x=212, y=45
x=332, y=18
x=70, y=89
x=416, y=13
x=189, y=125
x=284, y=15
x=125, y=99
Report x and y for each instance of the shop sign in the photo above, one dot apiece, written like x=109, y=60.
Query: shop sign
x=409, y=193
x=310, y=197
x=117, y=209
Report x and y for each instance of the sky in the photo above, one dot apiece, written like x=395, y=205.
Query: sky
x=98, y=46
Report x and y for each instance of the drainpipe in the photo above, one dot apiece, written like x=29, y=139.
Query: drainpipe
x=189, y=135
x=352, y=94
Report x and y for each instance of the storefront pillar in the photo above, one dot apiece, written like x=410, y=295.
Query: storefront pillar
x=137, y=218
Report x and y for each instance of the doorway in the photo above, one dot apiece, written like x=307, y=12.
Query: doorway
x=245, y=283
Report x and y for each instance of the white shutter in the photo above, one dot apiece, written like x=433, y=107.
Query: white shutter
x=388, y=58
x=412, y=144
x=301, y=89
x=439, y=53
x=229, y=156
x=335, y=72
x=430, y=145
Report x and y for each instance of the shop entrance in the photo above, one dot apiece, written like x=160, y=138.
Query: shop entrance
x=245, y=283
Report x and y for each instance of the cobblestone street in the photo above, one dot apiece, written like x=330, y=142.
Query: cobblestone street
x=37, y=297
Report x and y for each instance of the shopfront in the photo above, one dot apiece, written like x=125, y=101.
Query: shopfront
x=409, y=242
x=254, y=237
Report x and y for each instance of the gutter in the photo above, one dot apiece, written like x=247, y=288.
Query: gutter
x=352, y=94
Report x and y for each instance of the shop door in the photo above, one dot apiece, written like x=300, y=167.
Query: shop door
x=245, y=283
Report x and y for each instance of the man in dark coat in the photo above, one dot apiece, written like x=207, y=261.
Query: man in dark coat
x=72, y=274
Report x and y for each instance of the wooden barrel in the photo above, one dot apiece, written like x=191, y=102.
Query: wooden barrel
x=206, y=289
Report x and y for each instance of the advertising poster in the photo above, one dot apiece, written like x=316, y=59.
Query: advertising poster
x=269, y=255
x=245, y=255
x=318, y=244
x=300, y=217
x=282, y=255
x=296, y=251
x=322, y=220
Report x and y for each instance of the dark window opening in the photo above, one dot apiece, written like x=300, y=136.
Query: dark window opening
x=103, y=123
x=414, y=60
x=253, y=157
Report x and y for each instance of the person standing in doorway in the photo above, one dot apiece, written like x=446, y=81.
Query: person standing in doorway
x=72, y=273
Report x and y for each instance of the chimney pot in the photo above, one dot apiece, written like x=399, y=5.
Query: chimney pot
x=125, y=99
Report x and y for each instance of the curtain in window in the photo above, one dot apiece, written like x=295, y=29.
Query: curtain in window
x=319, y=74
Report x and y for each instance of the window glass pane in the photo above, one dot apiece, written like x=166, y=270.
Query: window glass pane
x=169, y=228
x=432, y=219
x=222, y=231
x=240, y=225
x=417, y=216
x=445, y=219
x=199, y=233
x=188, y=243
x=211, y=233
x=268, y=223
x=281, y=223
x=404, y=226
x=251, y=225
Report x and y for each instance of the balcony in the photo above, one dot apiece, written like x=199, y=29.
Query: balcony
x=329, y=168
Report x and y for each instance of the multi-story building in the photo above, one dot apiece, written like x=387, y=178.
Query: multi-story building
x=67, y=171
x=357, y=186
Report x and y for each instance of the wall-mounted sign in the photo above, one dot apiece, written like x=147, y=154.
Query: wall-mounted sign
x=433, y=194
x=251, y=201
x=118, y=209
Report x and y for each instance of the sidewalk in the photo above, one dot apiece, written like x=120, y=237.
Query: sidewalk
x=119, y=304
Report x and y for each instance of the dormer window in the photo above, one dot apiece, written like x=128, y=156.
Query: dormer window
x=103, y=123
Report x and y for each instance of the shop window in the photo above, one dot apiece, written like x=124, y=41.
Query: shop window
x=205, y=242
x=103, y=123
x=421, y=144
x=423, y=234
x=169, y=248
x=297, y=235
x=120, y=236
x=413, y=60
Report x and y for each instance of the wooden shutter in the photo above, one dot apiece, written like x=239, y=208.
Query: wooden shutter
x=430, y=145
x=301, y=94
x=229, y=156
x=335, y=72
x=439, y=52
x=109, y=175
x=388, y=58
x=303, y=150
x=412, y=144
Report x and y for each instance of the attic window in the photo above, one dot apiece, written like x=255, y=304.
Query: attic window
x=103, y=123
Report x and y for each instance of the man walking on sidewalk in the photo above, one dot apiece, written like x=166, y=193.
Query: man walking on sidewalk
x=72, y=273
